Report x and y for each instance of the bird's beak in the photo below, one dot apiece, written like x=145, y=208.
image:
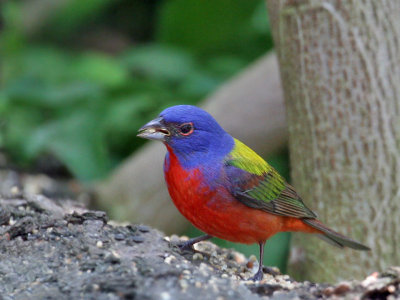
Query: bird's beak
x=154, y=130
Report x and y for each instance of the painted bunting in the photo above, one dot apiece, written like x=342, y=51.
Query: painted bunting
x=224, y=188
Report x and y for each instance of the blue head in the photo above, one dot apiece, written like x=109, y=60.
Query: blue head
x=192, y=133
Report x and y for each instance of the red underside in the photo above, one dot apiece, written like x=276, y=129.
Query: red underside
x=219, y=214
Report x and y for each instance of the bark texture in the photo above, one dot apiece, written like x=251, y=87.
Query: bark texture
x=250, y=107
x=340, y=68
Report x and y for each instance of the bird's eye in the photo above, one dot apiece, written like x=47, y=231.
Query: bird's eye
x=186, y=128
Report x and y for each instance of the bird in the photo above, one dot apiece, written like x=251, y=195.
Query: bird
x=226, y=189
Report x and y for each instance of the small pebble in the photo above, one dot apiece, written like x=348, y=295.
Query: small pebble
x=370, y=279
x=174, y=239
x=251, y=262
x=198, y=284
x=204, y=266
x=184, y=238
x=165, y=296
x=328, y=291
x=169, y=259
x=342, y=289
x=198, y=256
x=186, y=272
x=391, y=289
x=143, y=228
x=119, y=237
x=137, y=239
x=15, y=190
x=111, y=258
x=184, y=284
x=239, y=258
x=115, y=253
x=99, y=244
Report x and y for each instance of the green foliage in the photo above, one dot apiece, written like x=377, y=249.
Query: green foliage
x=74, y=13
x=208, y=27
x=85, y=106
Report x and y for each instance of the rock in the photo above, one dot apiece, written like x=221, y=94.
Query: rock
x=51, y=249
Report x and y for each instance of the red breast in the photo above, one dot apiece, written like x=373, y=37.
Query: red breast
x=217, y=213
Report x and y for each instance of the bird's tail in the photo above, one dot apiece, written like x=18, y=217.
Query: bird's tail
x=334, y=237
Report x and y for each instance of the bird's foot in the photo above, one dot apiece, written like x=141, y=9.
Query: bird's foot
x=258, y=276
x=188, y=245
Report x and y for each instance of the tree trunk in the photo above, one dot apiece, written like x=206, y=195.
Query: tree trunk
x=340, y=69
x=250, y=107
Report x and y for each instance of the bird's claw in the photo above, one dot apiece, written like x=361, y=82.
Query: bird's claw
x=258, y=276
x=185, y=246
x=188, y=245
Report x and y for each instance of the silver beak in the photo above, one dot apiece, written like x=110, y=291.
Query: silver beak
x=154, y=130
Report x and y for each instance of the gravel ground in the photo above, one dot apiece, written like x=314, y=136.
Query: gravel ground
x=59, y=250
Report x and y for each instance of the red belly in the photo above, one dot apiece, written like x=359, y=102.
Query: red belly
x=217, y=213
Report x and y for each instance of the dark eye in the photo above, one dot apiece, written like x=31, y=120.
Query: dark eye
x=186, y=128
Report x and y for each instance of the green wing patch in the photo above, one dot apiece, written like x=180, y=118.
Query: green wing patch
x=261, y=186
x=246, y=159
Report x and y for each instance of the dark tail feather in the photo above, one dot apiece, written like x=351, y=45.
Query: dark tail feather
x=333, y=237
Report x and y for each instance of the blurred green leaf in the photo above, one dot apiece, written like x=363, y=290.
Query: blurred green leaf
x=226, y=65
x=159, y=62
x=40, y=93
x=77, y=140
x=11, y=38
x=75, y=13
x=199, y=83
x=19, y=125
x=99, y=69
x=206, y=26
x=40, y=63
x=260, y=20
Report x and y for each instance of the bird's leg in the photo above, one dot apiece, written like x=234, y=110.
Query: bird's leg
x=259, y=275
x=188, y=245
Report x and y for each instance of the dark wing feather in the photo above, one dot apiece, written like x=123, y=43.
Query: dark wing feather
x=287, y=203
x=256, y=184
x=268, y=192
